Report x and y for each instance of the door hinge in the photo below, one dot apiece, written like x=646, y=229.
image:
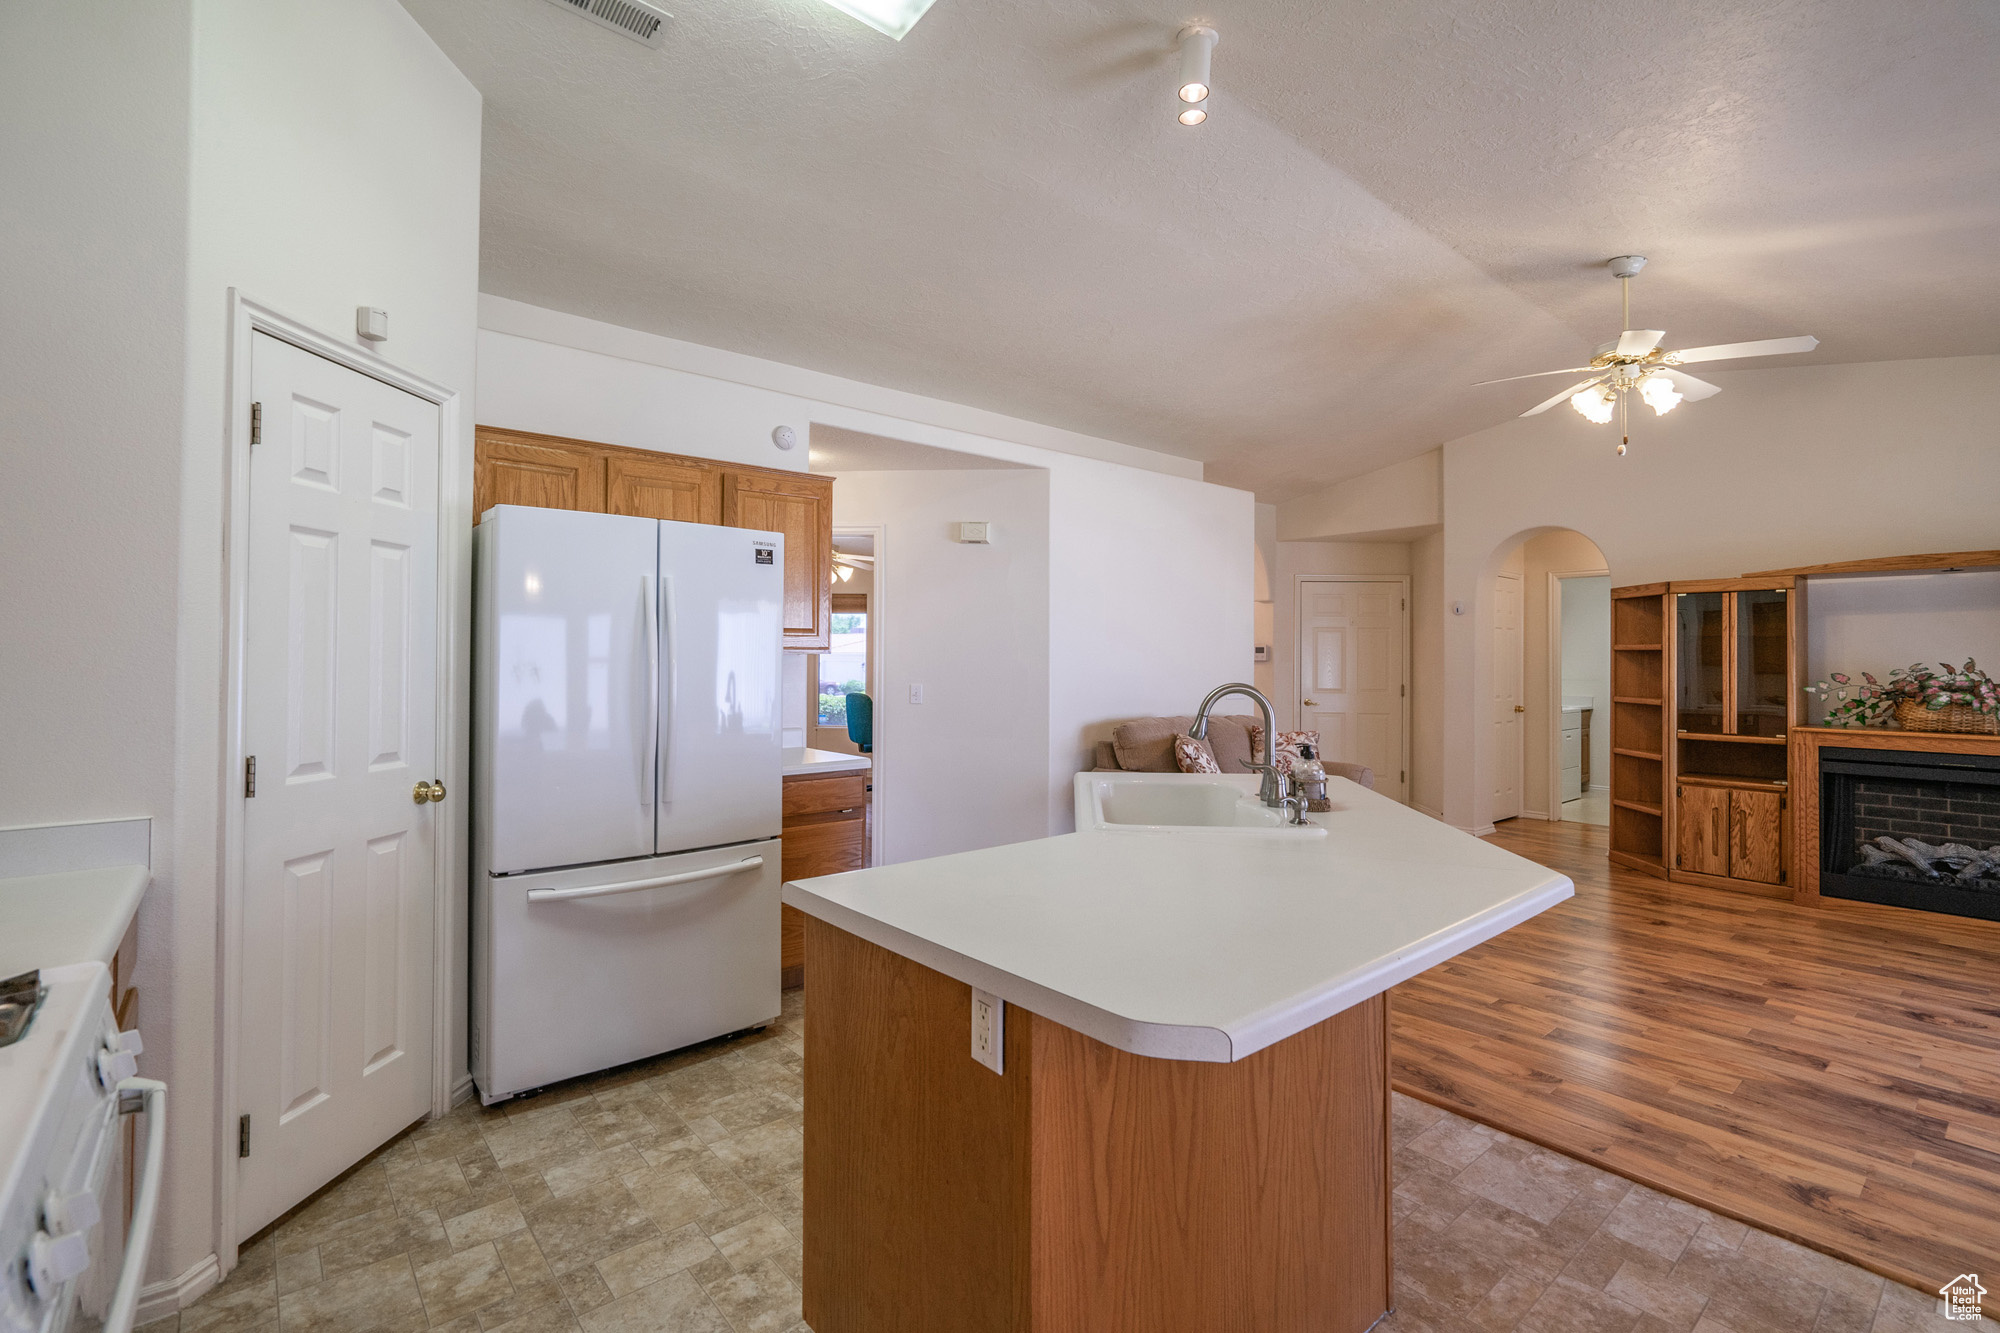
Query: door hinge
x=243, y=1136
x=1402, y=691
x=1402, y=775
x=249, y=776
x=256, y=423
x=1402, y=604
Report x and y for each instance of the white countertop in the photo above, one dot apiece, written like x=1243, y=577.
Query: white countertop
x=1196, y=948
x=77, y=916
x=804, y=759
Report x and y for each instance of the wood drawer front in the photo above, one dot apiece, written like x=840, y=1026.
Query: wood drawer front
x=818, y=796
x=824, y=847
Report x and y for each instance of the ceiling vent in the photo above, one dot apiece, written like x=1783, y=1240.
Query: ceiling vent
x=636, y=19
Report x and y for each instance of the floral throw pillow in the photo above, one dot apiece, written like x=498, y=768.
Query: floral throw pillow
x=1194, y=756
x=1288, y=745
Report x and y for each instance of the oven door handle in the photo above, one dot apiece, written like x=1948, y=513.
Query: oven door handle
x=125, y=1301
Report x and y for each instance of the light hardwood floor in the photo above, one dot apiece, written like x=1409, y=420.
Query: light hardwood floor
x=1831, y=1076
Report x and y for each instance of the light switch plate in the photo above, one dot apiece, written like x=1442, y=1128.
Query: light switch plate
x=989, y=1030
x=916, y=694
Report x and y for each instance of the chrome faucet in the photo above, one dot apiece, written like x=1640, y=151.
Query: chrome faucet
x=1275, y=786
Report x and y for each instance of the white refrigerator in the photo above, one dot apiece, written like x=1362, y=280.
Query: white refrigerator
x=626, y=802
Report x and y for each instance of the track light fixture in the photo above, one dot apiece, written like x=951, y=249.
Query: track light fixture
x=1196, y=43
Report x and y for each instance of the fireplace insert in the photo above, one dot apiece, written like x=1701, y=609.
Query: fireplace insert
x=1911, y=829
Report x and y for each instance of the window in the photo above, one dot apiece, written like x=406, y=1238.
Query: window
x=843, y=667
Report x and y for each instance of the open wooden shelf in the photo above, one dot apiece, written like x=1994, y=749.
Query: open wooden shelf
x=1653, y=810
x=1631, y=699
x=1638, y=647
x=1637, y=754
x=1729, y=739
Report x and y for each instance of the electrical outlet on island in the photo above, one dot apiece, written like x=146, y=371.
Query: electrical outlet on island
x=989, y=1032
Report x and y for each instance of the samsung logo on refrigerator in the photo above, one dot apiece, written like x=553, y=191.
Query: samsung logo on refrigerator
x=764, y=554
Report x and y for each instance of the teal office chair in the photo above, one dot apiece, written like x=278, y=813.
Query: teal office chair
x=861, y=722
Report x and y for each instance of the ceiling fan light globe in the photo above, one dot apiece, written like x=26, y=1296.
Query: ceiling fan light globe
x=1594, y=404
x=1659, y=393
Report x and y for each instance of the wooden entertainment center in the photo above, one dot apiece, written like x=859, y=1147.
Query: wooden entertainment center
x=1713, y=776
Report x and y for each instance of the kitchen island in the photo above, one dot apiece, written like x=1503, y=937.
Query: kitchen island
x=1190, y=1128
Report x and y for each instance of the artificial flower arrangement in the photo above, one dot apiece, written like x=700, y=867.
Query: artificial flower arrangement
x=1914, y=690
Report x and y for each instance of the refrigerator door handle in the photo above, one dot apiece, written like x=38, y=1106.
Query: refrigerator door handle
x=652, y=736
x=634, y=886
x=666, y=730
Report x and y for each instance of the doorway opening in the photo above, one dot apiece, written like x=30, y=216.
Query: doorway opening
x=1550, y=709
x=845, y=669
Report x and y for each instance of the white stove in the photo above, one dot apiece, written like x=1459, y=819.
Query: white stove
x=70, y=1261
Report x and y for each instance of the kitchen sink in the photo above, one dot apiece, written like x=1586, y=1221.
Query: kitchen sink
x=1212, y=805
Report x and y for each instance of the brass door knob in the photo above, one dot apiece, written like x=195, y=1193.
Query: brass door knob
x=1310, y=703
x=427, y=791
x=1520, y=708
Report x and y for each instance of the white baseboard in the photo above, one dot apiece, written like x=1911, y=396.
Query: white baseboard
x=1473, y=830
x=461, y=1091
x=1426, y=810
x=1538, y=814
x=1600, y=786
x=157, y=1300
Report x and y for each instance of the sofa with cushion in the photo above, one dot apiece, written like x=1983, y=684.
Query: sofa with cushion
x=1146, y=745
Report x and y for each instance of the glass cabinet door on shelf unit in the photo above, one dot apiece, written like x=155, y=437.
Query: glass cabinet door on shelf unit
x=1763, y=643
x=1700, y=671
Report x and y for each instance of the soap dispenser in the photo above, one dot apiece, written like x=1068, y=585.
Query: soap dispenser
x=1309, y=777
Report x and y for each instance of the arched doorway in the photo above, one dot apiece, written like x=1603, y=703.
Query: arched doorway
x=1548, y=711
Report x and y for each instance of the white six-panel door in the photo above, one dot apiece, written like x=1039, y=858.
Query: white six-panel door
x=339, y=712
x=1508, y=706
x=1351, y=675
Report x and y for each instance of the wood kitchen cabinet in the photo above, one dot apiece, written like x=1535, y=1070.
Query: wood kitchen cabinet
x=825, y=832
x=801, y=507
x=551, y=472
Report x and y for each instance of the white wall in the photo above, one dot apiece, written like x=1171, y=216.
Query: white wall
x=1586, y=663
x=1878, y=623
x=1427, y=613
x=1398, y=502
x=1151, y=606
x=154, y=158
x=1786, y=467
x=967, y=767
x=1150, y=602
x=1264, y=628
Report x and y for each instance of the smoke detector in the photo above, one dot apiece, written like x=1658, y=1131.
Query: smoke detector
x=643, y=23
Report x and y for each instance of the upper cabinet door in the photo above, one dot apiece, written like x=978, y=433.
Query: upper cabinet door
x=512, y=469
x=663, y=488
x=800, y=506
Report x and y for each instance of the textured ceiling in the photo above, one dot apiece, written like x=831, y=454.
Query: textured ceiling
x=1388, y=202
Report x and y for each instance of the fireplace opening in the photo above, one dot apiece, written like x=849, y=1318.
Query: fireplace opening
x=1911, y=829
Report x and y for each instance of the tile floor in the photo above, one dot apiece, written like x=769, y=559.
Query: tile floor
x=666, y=1197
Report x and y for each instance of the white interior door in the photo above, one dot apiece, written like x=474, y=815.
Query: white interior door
x=1351, y=675
x=1508, y=705
x=340, y=677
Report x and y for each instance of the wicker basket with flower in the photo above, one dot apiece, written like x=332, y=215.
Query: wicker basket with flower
x=1915, y=698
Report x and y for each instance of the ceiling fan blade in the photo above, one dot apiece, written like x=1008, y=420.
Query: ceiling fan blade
x=1565, y=394
x=1763, y=347
x=1638, y=342
x=1566, y=370
x=1692, y=389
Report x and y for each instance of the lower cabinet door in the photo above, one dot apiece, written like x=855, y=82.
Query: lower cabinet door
x=1756, y=836
x=1702, y=830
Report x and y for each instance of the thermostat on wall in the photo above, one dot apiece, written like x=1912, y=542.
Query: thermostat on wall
x=1263, y=653
x=979, y=534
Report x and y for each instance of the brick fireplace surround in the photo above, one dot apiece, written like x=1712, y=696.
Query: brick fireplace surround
x=1806, y=744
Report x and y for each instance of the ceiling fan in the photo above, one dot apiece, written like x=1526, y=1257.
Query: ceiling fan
x=1636, y=363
